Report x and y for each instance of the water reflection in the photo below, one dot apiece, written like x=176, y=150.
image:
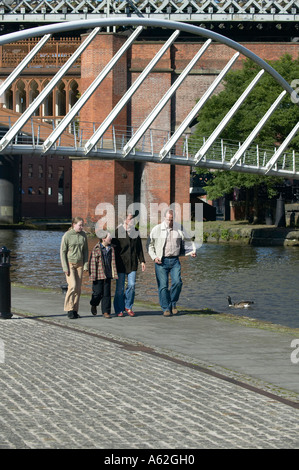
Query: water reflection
x=267, y=275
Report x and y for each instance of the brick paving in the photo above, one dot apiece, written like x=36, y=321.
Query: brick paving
x=63, y=389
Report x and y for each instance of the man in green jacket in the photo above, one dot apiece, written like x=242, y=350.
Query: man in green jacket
x=74, y=260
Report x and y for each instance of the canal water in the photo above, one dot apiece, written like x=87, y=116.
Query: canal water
x=267, y=275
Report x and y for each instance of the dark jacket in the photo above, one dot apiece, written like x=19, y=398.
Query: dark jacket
x=128, y=251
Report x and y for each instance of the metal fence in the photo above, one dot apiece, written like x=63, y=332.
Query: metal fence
x=115, y=139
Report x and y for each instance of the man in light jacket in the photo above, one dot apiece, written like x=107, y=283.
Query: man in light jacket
x=165, y=246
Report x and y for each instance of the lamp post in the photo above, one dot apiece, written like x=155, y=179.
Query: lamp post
x=5, y=286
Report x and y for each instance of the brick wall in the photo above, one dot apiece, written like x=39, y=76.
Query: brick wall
x=99, y=181
x=40, y=187
x=217, y=55
x=94, y=59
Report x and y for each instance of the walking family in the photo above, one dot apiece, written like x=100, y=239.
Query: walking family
x=118, y=258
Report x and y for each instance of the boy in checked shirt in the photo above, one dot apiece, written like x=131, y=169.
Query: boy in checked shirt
x=102, y=268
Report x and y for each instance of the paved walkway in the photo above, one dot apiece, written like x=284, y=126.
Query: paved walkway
x=146, y=382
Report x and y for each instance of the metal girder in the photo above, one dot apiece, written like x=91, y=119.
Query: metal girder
x=125, y=21
x=191, y=116
x=18, y=70
x=109, y=154
x=256, y=130
x=273, y=160
x=154, y=113
x=44, y=11
x=122, y=102
x=256, y=19
x=90, y=90
x=9, y=136
x=209, y=142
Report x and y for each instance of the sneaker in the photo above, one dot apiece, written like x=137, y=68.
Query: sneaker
x=106, y=315
x=166, y=313
x=93, y=310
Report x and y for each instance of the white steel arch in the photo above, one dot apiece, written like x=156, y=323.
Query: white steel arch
x=243, y=158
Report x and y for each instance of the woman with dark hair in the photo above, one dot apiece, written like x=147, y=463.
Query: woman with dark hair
x=129, y=253
x=74, y=260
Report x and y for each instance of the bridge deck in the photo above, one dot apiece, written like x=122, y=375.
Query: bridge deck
x=112, y=145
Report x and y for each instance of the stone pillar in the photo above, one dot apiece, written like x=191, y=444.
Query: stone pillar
x=182, y=189
x=95, y=181
x=9, y=189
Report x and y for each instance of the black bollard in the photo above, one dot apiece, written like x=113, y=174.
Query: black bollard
x=5, y=286
x=280, y=219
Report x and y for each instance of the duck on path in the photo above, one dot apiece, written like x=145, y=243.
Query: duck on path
x=242, y=304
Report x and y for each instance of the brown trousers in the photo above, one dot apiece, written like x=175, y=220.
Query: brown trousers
x=74, y=281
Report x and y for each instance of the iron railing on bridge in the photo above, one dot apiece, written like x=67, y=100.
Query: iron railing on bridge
x=116, y=137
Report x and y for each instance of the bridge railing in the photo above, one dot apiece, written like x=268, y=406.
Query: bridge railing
x=255, y=156
x=154, y=139
x=115, y=138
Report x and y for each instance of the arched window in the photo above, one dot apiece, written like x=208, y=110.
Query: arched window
x=73, y=93
x=8, y=99
x=47, y=106
x=20, y=97
x=33, y=93
x=60, y=100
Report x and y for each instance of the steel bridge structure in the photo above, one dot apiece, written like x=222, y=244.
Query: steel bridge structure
x=195, y=11
x=27, y=134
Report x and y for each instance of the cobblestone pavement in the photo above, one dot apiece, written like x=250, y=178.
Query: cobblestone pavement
x=63, y=389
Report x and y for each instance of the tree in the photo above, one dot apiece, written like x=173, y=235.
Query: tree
x=255, y=106
x=224, y=182
x=253, y=109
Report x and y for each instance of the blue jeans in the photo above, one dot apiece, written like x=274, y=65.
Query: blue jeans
x=169, y=297
x=124, y=299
